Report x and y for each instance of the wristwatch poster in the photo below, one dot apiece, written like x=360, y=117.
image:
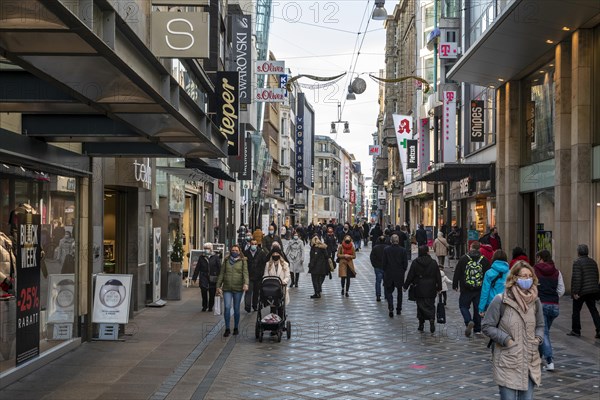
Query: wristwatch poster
x=112, y=293
x=112, y=296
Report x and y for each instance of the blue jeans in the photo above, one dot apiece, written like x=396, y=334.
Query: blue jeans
x=228, y=297
x=550, y=313
x=378, y=281
x=464, y=303
x=357, y=244
x=511, y=394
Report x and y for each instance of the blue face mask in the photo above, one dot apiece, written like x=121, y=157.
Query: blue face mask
x=295, y=237
x=525, y=283
x=234, y=254
x=253, y=247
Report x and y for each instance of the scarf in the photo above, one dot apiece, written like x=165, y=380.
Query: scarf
x=233, y=260
x=524, y=298
x=347, y=248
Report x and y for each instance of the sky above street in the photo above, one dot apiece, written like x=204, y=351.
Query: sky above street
x=321, y=38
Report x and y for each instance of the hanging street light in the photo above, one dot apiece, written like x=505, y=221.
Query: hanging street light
x=379, y=13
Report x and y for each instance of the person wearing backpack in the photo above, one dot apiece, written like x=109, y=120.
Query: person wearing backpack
x=493, y=280
x=468, y=277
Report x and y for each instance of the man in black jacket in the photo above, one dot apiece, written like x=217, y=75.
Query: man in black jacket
x=375, y=233
x=377, y=260
x=421, y=236
x=469, y=295
x=395, y=263
x=257, y=258
x=584, y=290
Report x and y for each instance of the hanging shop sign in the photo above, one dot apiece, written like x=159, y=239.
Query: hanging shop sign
x=448, y=49
x=156, y=262
x=403, y=125
x=246, y=173
x=411, y=151
x=179, y=34
x=353, y=196
x=300, y=150
x=270, y=67
x=111, y=299
x=242, y=44
x=449, y=130
x=61, y=298
x=477, y=121
x=346, y=182
x=63, y=184
x=424, y=151
x=28, y=256
x=208, y=197
x=374, y=150
x=142, y=172
x=270, y=95
x=228, y=109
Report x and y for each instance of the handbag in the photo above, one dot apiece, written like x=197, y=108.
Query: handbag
x=441, y=313
x=331, y=265
x=412, y=289
x=350, y=272
x=218, y=306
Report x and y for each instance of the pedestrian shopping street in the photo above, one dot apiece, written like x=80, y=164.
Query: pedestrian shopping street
x=341, y=348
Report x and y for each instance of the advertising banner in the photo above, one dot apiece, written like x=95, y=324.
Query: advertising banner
x=353, y=196
x=61, y=298
x=424, y=151
x=180, y=34
x=374, y=150
x=477, y=121
x=300, y=150
x=403, y=125
x=242, y=44
x=543, y=240
x=227, y=92
x=411, y=150
x=156, y=262
x=111, y=299
x=449, y=127
x=270, y=67
x=28, y=254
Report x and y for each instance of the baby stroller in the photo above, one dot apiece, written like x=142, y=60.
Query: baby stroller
x=272, y=294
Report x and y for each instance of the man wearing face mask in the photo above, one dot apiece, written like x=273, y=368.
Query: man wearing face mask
x=207, y=270
x=257, y=259
x=270, y=238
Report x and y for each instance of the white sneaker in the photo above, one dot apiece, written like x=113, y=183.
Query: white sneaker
x=550, y=367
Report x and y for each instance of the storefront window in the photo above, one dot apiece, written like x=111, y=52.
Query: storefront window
x=544, y=219
x=539, y=114
x=52, y=199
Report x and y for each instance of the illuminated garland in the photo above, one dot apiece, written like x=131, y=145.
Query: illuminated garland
x=328, y=79
x=404, y=78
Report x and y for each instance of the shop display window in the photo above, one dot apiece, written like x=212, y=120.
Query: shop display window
x=52, y=199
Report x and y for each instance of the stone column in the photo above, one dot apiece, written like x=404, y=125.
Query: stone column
x=581, y=135
x=562, y=246
x=513, y=223
x=500, y=162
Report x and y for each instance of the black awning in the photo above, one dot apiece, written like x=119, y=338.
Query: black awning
x=203, y=166
x=455, y=172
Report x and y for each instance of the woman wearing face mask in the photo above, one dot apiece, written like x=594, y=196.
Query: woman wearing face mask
x=231, y=284
x=276, y=266
x=514, y=322
x=295, y=255
x=346, y=255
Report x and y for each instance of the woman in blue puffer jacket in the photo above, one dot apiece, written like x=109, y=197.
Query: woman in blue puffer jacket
x=494, y=280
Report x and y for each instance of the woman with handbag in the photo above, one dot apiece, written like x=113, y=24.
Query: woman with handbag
x=425, y=274
x=346, y=256
x=231, y=284
x=207, y=271
x=319, y=265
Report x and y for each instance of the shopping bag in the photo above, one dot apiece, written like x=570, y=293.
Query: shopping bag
x=218, y=306
x=441, y=313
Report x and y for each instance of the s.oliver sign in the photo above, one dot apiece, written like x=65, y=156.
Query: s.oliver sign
x=179, y=34
x=227, y=89
x=270, y=67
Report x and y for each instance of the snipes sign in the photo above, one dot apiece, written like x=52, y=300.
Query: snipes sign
x=227, y=88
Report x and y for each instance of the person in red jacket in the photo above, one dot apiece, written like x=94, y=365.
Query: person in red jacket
x=518, y=254
x=487, y=251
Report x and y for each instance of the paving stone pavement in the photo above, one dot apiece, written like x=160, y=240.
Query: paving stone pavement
x=341, y=348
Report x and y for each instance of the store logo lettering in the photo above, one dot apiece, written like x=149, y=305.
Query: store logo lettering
x=180, y=33
x=228, y=111
x=142, y=172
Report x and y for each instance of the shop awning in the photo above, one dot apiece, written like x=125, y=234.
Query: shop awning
x=213, y=168
x=455, y=172
x=523, y=34
x=64, y=66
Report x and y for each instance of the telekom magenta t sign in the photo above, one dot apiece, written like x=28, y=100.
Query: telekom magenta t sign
x=179, y=34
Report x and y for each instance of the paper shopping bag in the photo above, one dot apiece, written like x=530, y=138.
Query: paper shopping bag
x=218, y=306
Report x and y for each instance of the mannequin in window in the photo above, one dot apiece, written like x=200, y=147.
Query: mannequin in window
x=8, y=264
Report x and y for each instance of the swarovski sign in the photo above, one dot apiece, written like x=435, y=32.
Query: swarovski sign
x=180, y=34
x=242, y=37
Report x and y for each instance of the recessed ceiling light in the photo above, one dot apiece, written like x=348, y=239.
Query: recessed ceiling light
x=566, y=28
x=549, y=41
x=542, y=71
x=551, y=65
x=500, y=80
x=535, y=80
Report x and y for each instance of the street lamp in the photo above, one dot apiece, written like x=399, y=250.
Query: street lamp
x=379, y=13
x=333, y=129
x=350, y=95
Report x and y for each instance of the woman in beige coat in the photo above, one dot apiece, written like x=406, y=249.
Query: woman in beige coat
x=515, y=323
x=276, y=266
x=346, y=255
x=440, y=247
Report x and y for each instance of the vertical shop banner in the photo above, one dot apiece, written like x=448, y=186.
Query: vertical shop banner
x=246, y=173
x=28, y=254
x=543, y=240
x=300, y=148
x=111, y=299
x=424, y=151
x=242, y=45
x=403, y=125
x=227, y=91
x=449, y=127
x=156, y=263
x=477, y=121
x=411, y=151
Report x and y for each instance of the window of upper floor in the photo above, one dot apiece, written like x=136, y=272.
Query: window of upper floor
x=451, y=8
